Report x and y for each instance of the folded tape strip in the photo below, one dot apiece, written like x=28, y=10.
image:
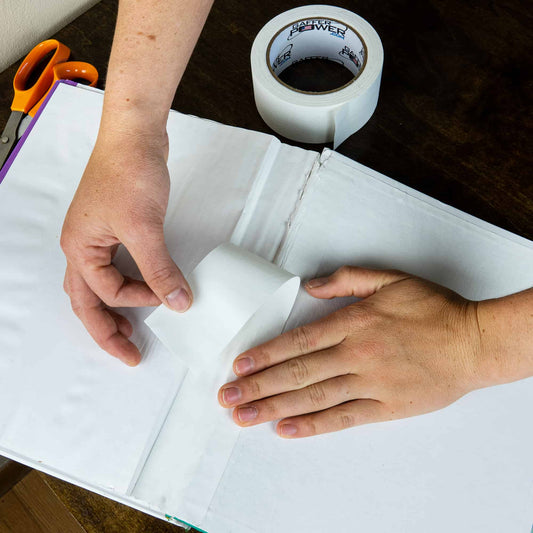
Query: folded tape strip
x=230, y=286
x=240, y=300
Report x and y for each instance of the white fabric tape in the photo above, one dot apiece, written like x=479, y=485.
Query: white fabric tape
x=230, y=286
x=240, y=300
x=311, y=32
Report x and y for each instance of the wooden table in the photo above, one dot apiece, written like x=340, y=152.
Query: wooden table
x=451, y=120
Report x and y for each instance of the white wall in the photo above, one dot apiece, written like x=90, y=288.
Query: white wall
x=24, y=23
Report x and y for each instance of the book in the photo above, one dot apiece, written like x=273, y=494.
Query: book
x=69, y=409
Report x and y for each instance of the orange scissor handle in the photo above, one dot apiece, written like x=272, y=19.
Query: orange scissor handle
x=27, y=97
x=71, y=70
x=76, y=70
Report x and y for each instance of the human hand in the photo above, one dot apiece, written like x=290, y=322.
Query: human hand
x=409, y=347
x=122, y=198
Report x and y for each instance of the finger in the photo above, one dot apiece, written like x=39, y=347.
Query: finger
x=109, y=332
x=66, y=281
x=123, y=324
x=159, y=270
x=315, y=397
x=293, y=374
x=353, y=281
x=346, y=415
x=95, y=266
x=313, y=337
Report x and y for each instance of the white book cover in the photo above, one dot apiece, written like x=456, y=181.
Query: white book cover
x=71, y=410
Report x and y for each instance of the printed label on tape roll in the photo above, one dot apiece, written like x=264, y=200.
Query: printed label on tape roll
x=316, y=39
x=317, y=32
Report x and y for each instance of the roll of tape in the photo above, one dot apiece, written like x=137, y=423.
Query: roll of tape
x=312, y=32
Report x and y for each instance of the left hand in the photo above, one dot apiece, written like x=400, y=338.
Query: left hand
x=408, y=347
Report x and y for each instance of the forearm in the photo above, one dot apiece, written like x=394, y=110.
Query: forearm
x=153, y=42
x=506, y=333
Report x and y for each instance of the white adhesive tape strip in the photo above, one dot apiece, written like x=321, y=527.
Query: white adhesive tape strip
x=230, y=286
x=310, y=32
x=240, y=300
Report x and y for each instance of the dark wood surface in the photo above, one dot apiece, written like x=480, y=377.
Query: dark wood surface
x=453, y=119
x=33, y=507
x=10, y=474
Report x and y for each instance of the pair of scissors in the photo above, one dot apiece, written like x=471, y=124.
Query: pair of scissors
x=28, y=99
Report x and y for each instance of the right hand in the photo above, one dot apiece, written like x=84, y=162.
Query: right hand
x=122, y=198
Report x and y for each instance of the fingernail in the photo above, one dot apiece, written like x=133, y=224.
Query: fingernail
x=179, y=300
x=231, y=395
x=246, y=414
x=317, y=282
x=288, y=430
x=244, y=365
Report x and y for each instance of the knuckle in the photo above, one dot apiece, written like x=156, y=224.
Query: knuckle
x=160, y=276
x=261, y=357
x=103, y=342
x=76, y=309
x=109, y=300
x=298, y=370
x=254, y=388
x=344, y=271
x=317, y=394
x=310, y=427
x=66, y=243
x=346, y=420
x=63, y=242
x=103, y=338
x=400, y=274
x=353, y=314
x=270, y=410
x=348, y=385
x=90, y=258
x=302, y=339
x=108, y=296
x=115, y=296
x=360, y=316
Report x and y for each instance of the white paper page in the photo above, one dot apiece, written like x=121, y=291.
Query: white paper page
x=241, y=300
x=66, y=406
x=466, y=468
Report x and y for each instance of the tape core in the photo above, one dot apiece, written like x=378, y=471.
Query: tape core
x=316, y=38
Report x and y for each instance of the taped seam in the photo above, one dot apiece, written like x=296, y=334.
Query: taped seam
x=254, y=195
x=311, y=178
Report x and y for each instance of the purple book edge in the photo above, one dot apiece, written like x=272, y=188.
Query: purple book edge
x=21, y=141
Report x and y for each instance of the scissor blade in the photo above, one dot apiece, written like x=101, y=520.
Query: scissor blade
x=8, y=138
x=24, y=125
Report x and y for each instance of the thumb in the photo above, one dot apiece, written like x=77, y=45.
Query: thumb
x=353, y=281
x=160, y=272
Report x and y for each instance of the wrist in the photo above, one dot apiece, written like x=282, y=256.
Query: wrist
x=134, y=128
x=133, y=116
x=505, y=327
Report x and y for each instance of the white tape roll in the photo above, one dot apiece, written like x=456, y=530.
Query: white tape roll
x=311, y=32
